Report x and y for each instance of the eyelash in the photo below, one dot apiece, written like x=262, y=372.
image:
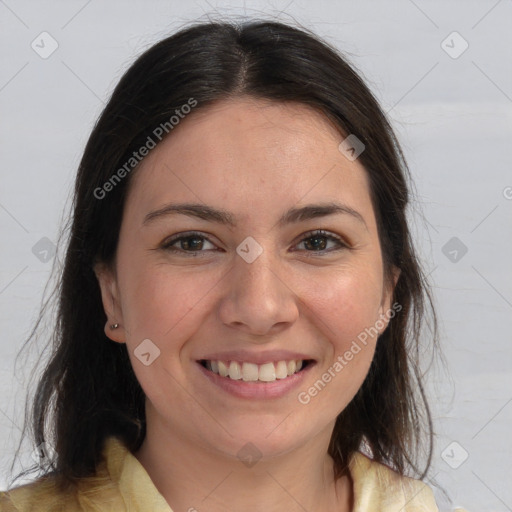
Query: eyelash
x=167, y=245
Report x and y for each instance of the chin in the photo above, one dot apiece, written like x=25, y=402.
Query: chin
x=259, y=442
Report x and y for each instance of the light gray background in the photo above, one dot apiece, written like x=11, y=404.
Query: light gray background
x=452, y=115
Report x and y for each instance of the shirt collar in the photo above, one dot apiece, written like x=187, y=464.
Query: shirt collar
x=376, y=486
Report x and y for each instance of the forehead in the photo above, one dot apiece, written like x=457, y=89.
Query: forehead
x=250, y=153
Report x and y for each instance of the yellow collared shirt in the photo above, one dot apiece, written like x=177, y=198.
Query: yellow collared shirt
x=121, y=484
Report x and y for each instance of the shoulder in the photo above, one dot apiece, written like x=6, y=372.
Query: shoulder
x=43, y=495
x=87, y=494
x=35, y=496
x=378, y=487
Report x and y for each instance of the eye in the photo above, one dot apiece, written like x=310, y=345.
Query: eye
x=193, y=243
x=318, y=240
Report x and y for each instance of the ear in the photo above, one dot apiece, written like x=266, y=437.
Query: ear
x=111, y=304
x=388, y=310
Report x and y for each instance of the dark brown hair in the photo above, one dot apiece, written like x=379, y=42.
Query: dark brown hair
x=88, y=390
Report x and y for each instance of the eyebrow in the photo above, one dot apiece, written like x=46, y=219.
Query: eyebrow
x=220, y=216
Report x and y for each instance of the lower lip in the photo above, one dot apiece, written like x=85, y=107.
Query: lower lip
x=257, y=390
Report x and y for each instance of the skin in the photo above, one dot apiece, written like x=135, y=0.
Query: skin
x=255, y=159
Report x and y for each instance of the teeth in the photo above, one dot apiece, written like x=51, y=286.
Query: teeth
x=223, y=369
x=235, y=372
x=250, y=372
x=281, y=370
x=267, y=372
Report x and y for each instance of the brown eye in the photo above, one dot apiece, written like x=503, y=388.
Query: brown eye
x=317, y=241
x=192, y=243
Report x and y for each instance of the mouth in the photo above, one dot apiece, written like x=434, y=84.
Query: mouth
x=268, y=372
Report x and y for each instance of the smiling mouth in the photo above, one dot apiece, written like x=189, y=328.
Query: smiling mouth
x=250, y=372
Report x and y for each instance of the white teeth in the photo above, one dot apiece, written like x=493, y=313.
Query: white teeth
x=250, y=372
x=267, y=372
x=235, y=371
x=292, y=367
x=281, y=370
x=223, y=369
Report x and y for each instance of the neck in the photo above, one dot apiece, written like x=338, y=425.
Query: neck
x=192, y=477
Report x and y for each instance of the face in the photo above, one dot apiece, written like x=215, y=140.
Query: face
x=271, y=274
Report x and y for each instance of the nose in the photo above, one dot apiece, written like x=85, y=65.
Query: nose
x=258, y=300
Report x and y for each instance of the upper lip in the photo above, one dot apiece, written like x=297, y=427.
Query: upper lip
x=256, y=357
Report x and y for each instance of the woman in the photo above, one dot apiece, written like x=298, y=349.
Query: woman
x=240, y=305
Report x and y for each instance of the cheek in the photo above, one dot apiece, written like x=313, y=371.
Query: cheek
x=164, y=305
x=161, y=302
x=345, y=312
x=345, y=303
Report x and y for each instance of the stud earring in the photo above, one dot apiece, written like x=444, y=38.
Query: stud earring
x=114, y=326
